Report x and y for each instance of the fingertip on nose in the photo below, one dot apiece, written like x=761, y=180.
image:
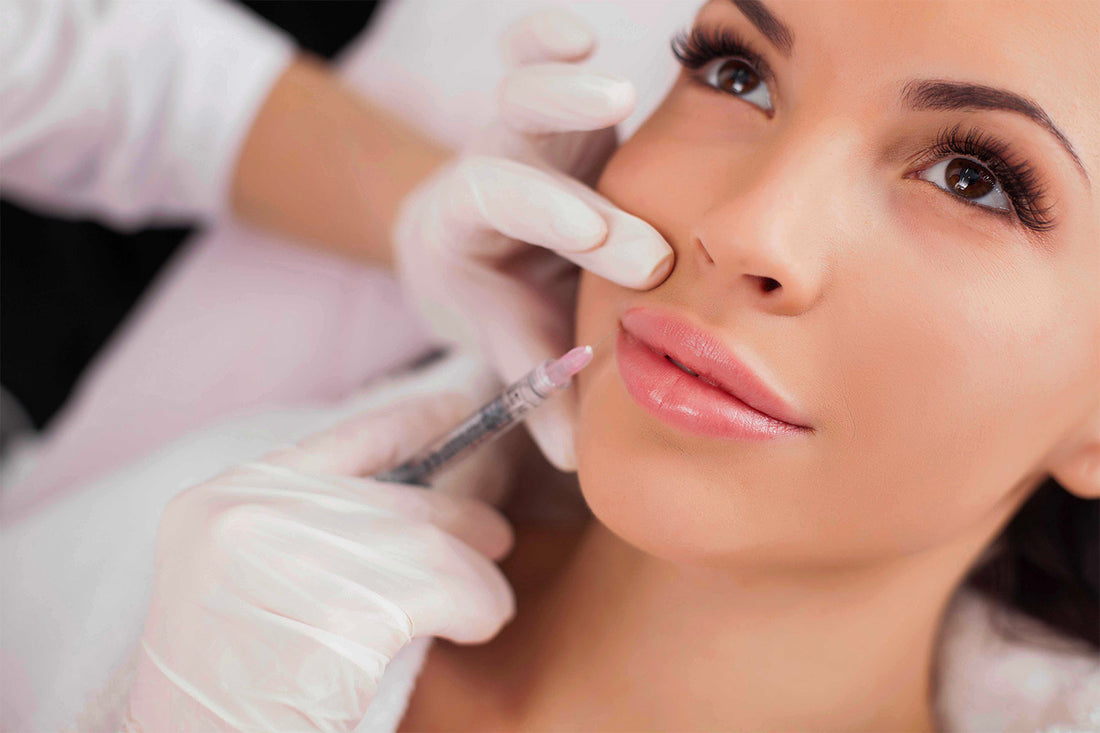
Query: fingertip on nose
x=661, y=270
x=645, y=263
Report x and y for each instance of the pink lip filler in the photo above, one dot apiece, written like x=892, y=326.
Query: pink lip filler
x=497, y=417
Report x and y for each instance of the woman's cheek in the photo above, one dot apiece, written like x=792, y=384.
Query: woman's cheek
x=664, y=176
x=626, y=179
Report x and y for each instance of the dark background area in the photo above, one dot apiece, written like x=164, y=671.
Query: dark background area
x=66, y=285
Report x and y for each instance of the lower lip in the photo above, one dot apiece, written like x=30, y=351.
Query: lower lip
x=688, y=403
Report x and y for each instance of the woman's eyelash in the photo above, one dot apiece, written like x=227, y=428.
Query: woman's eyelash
x=696, y=48
x=699, y=46
x=1017, y=177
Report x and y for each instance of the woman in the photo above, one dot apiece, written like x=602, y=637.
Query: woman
x=887, y=214
x=779, y=561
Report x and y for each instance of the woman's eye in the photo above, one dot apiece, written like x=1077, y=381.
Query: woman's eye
x=969, y=180
x=737, y=77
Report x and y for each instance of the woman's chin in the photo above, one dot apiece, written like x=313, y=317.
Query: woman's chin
x=642, y=487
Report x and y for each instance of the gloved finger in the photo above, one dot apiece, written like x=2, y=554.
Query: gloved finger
x=303, y=606
x=376, y=440
x=483, y=195
x=553, y=428
x=473, y=598
x=582, y=155
x=549, y=98
x=339, y=675
x=264, y=669
x=554, y=211
x=633, y=254
x=345, y=505
x=408, y=580
x=547, y=35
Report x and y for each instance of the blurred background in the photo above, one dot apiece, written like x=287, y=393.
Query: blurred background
x=66, y=285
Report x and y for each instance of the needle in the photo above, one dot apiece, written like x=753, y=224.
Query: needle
x=605, y=338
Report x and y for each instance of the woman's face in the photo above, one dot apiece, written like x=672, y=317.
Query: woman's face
x=910, y=264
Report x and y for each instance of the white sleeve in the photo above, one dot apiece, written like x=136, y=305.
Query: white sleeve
x=129, y=110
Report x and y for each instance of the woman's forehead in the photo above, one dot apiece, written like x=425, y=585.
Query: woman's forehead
x=1044, y=51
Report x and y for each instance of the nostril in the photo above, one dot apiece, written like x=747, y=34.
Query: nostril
x=769, y=284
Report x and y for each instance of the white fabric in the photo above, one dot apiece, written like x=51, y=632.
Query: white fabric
x=129, y=110
x=992, y=681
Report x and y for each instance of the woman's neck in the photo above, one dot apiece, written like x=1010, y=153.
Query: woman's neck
x=623, y=640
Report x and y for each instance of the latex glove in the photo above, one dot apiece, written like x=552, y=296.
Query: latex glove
x=284, y=587
x=463, y=238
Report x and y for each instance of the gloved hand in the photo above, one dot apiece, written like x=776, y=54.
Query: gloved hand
x=462, y=239
x=284, y=587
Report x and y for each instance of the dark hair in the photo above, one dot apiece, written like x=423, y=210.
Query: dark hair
x=1046, y=563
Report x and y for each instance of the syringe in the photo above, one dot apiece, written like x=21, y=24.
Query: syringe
x=494, y=419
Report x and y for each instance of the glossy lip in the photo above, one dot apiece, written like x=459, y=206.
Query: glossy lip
x=666, y=334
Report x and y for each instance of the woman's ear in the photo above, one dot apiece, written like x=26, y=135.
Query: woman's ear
x=1078, y=468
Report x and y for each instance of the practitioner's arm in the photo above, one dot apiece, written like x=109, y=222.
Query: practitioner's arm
x=133, y=112
x=324, y=164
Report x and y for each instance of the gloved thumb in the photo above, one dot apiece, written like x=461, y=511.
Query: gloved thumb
x=551, y=426
x=377, y=440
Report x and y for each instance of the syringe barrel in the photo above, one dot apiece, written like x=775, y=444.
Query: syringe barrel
x=492, y=420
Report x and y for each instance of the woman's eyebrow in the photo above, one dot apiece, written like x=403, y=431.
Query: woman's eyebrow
x=772, y=28
x=936, y=94
x=924, y=94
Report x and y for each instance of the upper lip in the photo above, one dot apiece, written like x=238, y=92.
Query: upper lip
x=703, y=353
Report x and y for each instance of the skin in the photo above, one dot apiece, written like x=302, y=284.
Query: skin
x=946, y=357
x=341, y=191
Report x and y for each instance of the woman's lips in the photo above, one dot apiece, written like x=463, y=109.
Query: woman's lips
x=720, y=397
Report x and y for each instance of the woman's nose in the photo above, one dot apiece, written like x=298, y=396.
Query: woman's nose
x=768, y=234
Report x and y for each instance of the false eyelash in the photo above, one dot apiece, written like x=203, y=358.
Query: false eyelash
x=696, y=48
x=1017, y=177
x=699, y=46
